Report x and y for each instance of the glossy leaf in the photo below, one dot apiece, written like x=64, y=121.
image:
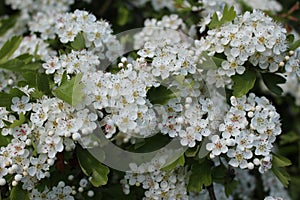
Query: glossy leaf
x=272, y=80
x=18, y=122
x=9, y=48
x=92, y=167
x=295, y=45
x=5, y=140
x=79, y=42
x=179, y=162
x=192, y=152
x=17, y=193
x=200, y=175
x=230, y=187
x=41, y=83
x=228, y=15
x=160, y=95
x=71, y=91
x=280, y=161
x=20, y=66
x=6, y=98
x=7, y=23
x=243, y=83
x=282, y=175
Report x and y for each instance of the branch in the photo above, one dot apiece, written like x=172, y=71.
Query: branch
x=211, y=192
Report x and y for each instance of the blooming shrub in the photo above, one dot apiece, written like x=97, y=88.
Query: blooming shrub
x=199, y=102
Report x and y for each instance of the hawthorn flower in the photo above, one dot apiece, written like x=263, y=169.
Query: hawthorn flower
x=239, y=158
x=39, y=166
x=217, y=146
x=22, y=132
x=52, y=145
x=21, y=105
x=189, y=137
x=61, y=191
x=52, y=65
x=3, y=169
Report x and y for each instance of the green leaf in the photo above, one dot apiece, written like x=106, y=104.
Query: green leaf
x=20, y=66
x=210, y=62
x=192, y=152
x=7, y=23
x=230, y=187
x=282, y=175
x=290, y=38
x=150, y=144
x=201, y=175
x=289, y=137
x=160, y=95
x=272, y=80
x=219, y=174
x=79, y=42
x=5, y=140
x=280, y=161
x=228, y=15
x=9, y=48
x=244, y=6
x=295, y=45
x=18, y=193
x=179, y=162
x=243, y=83
x=71, y=91
x=5, y=98
x=123, y=14
x=19, y=121
x=92, y=167
x=41, y=83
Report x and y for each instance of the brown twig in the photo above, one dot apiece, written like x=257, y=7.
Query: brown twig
x=211, y=192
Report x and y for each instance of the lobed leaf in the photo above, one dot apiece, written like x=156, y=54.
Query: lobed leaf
x=20, y=66
x=179, y=162
x=18, y=193
x=79, y=42
x=7, y=23
x=228, y=15
x=243, y=83
x=201, y=175
x=9, y=48
x=295, y=45
x=280, y=161
x=272, y=80
x=282, y=175
x=92, y=167
x=160, y=95
x=71, y=91
x=18, y=122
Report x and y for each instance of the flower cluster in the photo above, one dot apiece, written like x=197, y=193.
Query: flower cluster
x=123, y=97
x=31, y=6
x=53, y=127
x=169, y=30
x=61, y=191
x=73, y=63
x=97, y=34
x=248, y=132
x=252, y=37
x=292, y=65
x=159, y=184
